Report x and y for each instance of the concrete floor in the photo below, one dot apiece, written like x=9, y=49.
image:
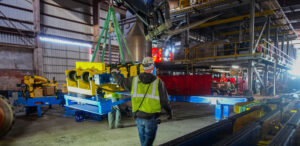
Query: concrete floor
x=54, y=129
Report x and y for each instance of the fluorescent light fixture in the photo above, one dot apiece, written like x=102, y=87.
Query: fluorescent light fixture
x=235, y=66
x=59, y=41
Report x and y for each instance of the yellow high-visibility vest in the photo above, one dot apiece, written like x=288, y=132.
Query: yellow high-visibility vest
x=151, y=103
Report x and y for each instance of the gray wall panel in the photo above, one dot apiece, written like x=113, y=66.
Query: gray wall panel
x=16, y=13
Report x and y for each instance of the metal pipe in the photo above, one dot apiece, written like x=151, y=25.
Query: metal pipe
x=265, y=79
x=274, y=76
x=189, y=26
x=233, y=19
x=282, y=45
x=251, y=28
x=276, y=37
x=258, y=76
x=259, y=37
x=268, y=32
x=287, y=48
x=250, y=77
x=168, y=38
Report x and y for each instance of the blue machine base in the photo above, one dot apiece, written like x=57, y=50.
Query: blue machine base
x=221, y=103
x=91, y=105
x=81, y=115
x=38, y=102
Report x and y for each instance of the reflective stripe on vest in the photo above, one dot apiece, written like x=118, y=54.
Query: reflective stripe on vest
x=151, y=103
x=135, y=94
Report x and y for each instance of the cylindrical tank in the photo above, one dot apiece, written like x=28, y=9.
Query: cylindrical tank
x=137, y=43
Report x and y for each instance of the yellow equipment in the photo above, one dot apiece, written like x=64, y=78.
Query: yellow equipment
x=34, y=85
x=88, y=77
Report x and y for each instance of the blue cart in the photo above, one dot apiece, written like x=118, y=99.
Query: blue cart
x=38, y=102
x=92, y=105
x=221, y=103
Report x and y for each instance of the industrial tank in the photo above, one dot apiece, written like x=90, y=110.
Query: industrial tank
x=137, y=43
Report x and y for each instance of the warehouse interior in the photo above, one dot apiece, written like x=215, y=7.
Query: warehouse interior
x=231, y=69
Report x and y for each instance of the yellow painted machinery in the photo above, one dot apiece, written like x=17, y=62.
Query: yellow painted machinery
x=95, y=82
x=88, y=77
x=38, y=86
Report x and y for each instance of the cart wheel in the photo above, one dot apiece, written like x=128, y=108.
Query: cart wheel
x=7, y=116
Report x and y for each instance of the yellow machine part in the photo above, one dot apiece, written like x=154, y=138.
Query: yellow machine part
x=111, y=88
x=184, y=3
x=247, y=119
x=108, y=69
x=82, y=83
x=30, y=81
x=133, y=70
x=79, y=80
x=90, y=66
x=238, y=107
x=71, y=82
x=123, y=71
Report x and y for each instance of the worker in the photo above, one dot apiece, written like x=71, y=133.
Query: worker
x=114, y=117
x=230, y=87
x=149, y=95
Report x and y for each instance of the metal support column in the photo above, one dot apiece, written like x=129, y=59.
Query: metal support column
x=258, y=76
x=38, y=51
x=96, y=7
x=251, y=27
x=265, y=79
x=148, y=48
x=268, y=32
x=276, y=38
x=288, y=47
x=282, y=45
x=250, y=77
x=274, y=76
x=187, y=40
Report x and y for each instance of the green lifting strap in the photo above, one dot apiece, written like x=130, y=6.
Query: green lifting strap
x=115, y=21
x=118, y=33
x=101, y=35
x=123, y=38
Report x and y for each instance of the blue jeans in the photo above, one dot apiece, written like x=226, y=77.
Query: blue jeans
x=147, y=130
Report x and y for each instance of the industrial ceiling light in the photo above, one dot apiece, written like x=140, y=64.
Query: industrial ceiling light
x=59, y=41
x=235, y=66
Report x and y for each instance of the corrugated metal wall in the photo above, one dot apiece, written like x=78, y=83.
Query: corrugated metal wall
x=61, y=22
x=68, y=20
x=16, y=57
x=58, y=58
